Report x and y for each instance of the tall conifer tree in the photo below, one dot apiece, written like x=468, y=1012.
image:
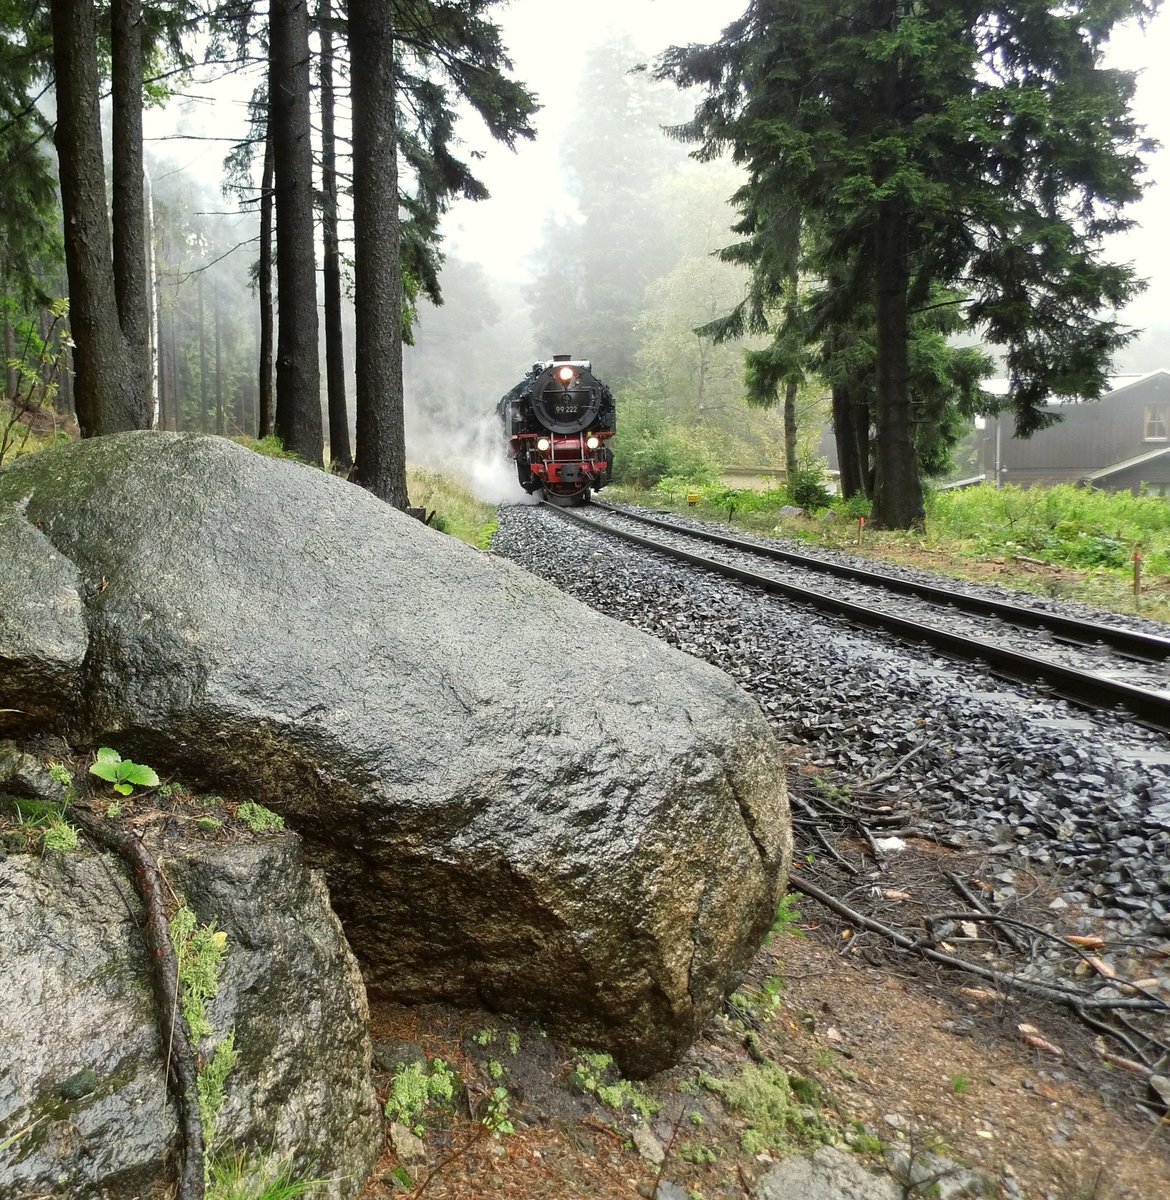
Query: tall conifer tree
x=935, y=142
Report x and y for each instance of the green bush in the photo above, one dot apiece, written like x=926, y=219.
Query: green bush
x=1070, y=526
x=854, y=508
x=807, y=488
x=648, y=449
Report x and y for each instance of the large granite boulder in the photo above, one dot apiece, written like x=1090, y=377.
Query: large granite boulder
x=84, y=1107
x=518, y=803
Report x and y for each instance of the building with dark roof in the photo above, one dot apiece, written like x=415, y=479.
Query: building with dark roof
x=1118, y=443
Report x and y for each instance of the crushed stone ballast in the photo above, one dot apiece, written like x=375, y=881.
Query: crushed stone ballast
x=1088, y=663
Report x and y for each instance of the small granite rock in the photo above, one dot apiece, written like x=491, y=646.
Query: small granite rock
x=648, y=1146
x=406, y=1145
x=828, y=1174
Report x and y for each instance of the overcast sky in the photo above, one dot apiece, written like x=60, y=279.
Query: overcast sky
x=544, y=36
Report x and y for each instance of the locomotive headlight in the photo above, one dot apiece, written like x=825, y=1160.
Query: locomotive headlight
x=565, y=374
x=592, y=442
x=542, y=443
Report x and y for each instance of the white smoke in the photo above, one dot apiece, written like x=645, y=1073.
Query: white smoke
x=471, y=451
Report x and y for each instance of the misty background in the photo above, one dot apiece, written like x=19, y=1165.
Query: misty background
x=597, y=241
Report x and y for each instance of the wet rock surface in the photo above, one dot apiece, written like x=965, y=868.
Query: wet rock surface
x=84, y=1106
x=1088, y=798
x=518, y=803
x=828, y=1174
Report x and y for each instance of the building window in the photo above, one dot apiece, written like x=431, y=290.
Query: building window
x=1157, y=423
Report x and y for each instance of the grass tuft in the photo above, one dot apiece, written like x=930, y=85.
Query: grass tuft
x=457, y=511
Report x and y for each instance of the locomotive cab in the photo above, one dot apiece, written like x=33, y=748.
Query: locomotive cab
x=558, y=421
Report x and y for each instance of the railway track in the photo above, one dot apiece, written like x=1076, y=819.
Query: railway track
x=1090, y=664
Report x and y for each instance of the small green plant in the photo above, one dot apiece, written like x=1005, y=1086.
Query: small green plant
x=513, y=1043
x=60, y=836
x=208, y=824
x=835, y=793
x=780, y=1109
x=200, y=950
x=496, y=1109
x=258, y=818
x=484, y=1037
x=696, y=1118
x=697, y=1153
x=864, y=1141
x=495, y=1069
x=121, y=772
x=787, y=916
x=210, y=1082
x=48, y=820
x=114, y=809
x=233, y=1177
x=590, y=1072
x=61, y=773
x=416, y=1089
x=960, y=1084
x=768, y=997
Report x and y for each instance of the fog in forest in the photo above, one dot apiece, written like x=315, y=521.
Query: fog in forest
x=597, y=241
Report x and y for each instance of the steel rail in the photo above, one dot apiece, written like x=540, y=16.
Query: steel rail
x=1146, y=646
x=1078, y=687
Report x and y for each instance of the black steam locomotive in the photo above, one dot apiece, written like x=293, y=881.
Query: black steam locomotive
x=557, y=421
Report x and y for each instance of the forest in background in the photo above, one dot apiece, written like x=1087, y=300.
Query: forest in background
x=703, y=315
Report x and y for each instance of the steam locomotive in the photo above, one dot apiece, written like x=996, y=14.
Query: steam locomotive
x=557, y=421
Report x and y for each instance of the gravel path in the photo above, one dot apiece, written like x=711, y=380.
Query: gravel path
x=1086, y=798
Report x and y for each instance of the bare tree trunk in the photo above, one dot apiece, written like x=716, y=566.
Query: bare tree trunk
x=791, y=388
x=129, y=206
x=339, y=452
x=897, y=490
x=154, y=348
x=298, y=372
x=176, y=379
x=849, y=463
x=202, y=360
x=110, y=372
x=219, y=415
x=164, y=383
x=380, y=465
x=265, y=416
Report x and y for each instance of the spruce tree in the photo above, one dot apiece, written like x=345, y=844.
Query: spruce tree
x=410, y=64
x=981, y=146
